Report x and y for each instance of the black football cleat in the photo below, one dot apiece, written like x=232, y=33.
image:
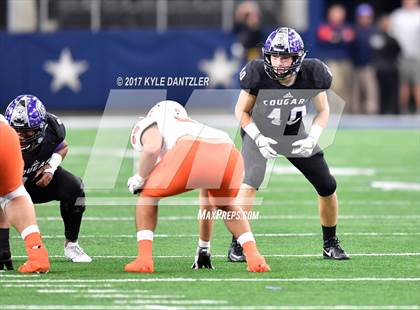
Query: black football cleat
x=333, y=250
x=235, y=252
x=6, y=260
x=202, y=259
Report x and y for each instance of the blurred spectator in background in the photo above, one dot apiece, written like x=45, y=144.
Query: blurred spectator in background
x=365, y=89
x=335, y=36
x=248, y=30
x=386, y=51
x=405, y=27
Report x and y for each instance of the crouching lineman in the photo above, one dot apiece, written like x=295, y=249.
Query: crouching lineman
x=16, y=206
x=178, y=155
x=43, y=146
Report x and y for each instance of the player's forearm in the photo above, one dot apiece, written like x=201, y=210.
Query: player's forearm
x=321, y=119
x=63, y=152
x=318, y=125
x=147, y=162
x=243, y=107
x=323, y=110
x=243, y=118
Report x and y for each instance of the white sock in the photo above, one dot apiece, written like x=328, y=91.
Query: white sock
x=245, y=237
x=203, y=244
x=29, y=230
x=144, y=235
x=70, y=243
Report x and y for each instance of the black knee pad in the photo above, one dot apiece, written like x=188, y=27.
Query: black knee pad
x=74, y=198
x=327, y=188
x=80, y=205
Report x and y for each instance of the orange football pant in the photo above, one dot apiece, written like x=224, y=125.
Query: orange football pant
x=192, y=164
x=11, y=161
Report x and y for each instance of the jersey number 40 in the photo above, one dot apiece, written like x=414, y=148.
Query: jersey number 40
x=296, y=115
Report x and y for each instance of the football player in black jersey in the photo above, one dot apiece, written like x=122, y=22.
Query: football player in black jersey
x=275, y=93
x=43, y=146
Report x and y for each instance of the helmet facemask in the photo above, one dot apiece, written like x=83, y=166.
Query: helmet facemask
x=281, y=73
x=30, y=138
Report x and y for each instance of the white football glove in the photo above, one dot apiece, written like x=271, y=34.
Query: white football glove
x=135, y=184
x=306, y=146
x=263, y=144
x=261, y=141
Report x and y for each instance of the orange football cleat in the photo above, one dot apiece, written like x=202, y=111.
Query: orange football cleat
x=257, y=264
x=140, y=264
x=37, y=261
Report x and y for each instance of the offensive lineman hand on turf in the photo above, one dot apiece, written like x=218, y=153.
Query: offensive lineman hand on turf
x=46, y=178
x=304, y=147
x=263, y=144
x=135, y=184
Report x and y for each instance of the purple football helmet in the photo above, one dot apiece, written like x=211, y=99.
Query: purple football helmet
x=27, y=115
x=283, y=42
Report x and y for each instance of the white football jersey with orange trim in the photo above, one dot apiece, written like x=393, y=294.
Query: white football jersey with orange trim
x=172, y=128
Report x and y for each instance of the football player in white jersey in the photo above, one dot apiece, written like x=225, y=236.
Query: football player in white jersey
x=178, y=154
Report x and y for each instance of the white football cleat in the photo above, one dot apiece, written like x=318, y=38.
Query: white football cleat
x=74, y=253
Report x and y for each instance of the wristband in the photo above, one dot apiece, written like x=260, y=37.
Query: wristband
x=315, y=132
x=252, y=130
x=55, y=161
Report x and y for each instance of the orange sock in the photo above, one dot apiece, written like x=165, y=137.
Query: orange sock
x=33, y=240
x=250, y=249
x=145, y=248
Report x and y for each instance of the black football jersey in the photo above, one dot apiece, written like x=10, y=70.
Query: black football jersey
x=55, y=134
x=279, y=109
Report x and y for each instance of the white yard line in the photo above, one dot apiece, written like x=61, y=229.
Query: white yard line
x=135, y=295
x=109, y=292
x=102, y=201
x=3, y=275
x=35, y=285
x=188, y=280
x=121, y=291
x=221, y=255
x=336, y=171
x=261, y=217
x=370, y=234
x=57, y=291
x=215, y=307
x=390, y=186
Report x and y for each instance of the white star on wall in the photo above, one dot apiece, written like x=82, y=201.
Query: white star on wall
x=220, y=69
x=65, y=71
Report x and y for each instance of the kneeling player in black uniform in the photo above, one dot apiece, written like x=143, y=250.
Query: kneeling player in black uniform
x=43, y=146
x=275, y=93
